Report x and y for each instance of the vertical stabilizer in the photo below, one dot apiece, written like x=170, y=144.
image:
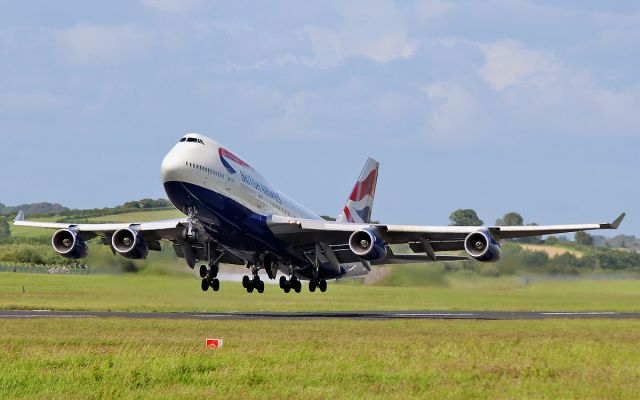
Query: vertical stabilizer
x=360, y=203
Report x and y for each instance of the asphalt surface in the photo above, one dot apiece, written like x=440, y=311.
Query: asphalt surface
x=355, y=315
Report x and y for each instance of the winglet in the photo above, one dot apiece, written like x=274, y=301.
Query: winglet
x=19, y=217
x=615, y=224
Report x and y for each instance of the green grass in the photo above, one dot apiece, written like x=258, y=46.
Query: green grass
x=115, y=358
x=182, y=293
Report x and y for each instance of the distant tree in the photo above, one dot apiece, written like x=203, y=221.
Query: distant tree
x=510, y=219
x=552, y=240
x=465, y=217
x=5, y=230
x=584, y=238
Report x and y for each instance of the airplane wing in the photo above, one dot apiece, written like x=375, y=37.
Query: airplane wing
x=429, y=239
x=151, y=232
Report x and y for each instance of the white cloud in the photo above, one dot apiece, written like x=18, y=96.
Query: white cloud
x=375, y=30
x=456, y=114
x=426, y=10
x=172, y=6
x=509, y=63
x=103, y=44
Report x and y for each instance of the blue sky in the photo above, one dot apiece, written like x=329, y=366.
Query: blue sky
x=493, y=105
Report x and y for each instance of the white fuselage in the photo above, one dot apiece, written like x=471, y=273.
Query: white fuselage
x=201, y=162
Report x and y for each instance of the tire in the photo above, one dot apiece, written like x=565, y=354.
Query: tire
x=312, y=286
x=203, y=271
x=323, y=285
x=250, y=289
x=215, y=269
x=204, y=285
x=215, y=285
x=287, y=287
x=260, y=287
x=298, y=287
x=246, y=282
x=283, y=282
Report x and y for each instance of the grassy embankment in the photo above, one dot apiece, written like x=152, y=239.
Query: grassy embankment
x=182, y=293
x=115, y=358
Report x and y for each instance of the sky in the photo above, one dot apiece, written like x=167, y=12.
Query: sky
x=499, y=105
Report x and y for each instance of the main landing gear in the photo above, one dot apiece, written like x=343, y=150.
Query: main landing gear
x=317, y=284
x=209, y=277
x=253, y=283
x=288, y=284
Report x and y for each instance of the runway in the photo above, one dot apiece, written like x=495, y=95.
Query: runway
x=354, y=315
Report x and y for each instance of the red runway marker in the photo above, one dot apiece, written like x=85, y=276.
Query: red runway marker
x=214, y=343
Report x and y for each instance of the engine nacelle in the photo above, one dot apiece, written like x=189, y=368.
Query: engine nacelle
x=482, y=246
x=129, y=244
x=367, y=245
x=68, y=244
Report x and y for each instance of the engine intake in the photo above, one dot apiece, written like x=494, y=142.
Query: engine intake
x=68, y=244
x=129, y=244
x=367, y=245
x=482, y=246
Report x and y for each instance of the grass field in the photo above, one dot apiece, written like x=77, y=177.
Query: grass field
x=115, y=358
x=182, y=293
x=552, y=251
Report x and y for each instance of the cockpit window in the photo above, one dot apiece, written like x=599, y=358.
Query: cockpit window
x=193, y=140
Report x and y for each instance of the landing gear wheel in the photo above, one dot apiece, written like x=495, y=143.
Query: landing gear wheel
x=287, y=287
x=298, y=287
x=203, y=271
x=323, y=285
x=260, y=286
x=250, y=288
x=283, y=282
x=215, y=285
x=312, y=285
x=204, y=285
x=246, y=282
x=213, y=270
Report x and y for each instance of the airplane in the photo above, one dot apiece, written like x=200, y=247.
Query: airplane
x=234, y=216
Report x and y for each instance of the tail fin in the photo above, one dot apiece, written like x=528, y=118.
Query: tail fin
x=360, y=203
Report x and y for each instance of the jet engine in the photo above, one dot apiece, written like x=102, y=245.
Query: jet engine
x=68, y=244
x=367, y=245
x=482, y=247
x=129, y=244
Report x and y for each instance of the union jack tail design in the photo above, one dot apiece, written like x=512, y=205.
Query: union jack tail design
x=360, y=203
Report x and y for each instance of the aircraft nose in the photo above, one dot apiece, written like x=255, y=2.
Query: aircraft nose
x=173, y=166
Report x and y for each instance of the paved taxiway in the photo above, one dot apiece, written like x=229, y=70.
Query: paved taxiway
x=355, y=315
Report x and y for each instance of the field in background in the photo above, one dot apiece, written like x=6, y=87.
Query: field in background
x=115, y=358
x=552, y=251
x=182, y=293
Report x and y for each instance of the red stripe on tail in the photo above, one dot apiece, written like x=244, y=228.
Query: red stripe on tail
x=365, y=187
